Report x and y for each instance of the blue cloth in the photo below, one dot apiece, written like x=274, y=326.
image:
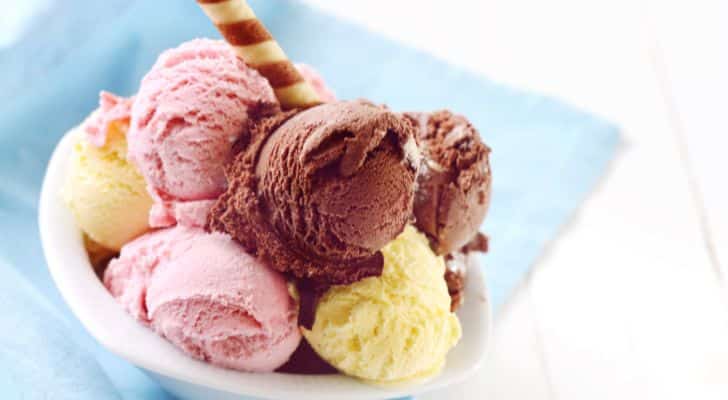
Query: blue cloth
x=546, y=156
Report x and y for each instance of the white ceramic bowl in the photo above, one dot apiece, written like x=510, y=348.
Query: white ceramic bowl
x=191, y=379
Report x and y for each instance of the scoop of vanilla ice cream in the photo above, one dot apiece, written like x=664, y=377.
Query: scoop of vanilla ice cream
x=394, y=328
x=106, y=194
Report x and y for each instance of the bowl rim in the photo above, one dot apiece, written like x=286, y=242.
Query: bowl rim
x=110, y=325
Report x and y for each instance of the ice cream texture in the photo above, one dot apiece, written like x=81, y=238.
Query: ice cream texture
x=191, y=107
x=208, y=297
x=208, y=193
x=392, y=329
x=319, y=193
x=105, y=193
x=454, y=184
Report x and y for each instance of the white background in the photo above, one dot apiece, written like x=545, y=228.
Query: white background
x=628, y=303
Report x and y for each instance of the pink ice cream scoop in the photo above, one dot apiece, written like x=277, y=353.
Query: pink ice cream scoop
x=191, y=107
x=208, y=297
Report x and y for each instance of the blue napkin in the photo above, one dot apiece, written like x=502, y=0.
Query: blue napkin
x=546, y=156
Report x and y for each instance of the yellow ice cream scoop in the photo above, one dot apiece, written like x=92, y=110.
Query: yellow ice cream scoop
x=392, y=329
x=105, y=193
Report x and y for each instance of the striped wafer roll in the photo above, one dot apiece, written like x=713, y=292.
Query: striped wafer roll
x=254, y=44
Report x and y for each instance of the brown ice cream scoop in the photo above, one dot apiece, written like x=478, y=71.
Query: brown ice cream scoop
x=453, y=187
x=318, y=193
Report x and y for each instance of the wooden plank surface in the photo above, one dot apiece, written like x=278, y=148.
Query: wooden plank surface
x=691, y=59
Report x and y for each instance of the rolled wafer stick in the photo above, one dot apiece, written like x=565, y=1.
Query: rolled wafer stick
x=255, y=45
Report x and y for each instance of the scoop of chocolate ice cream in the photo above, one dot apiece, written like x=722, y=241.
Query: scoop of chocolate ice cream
x=318, y=193
x=453, y=187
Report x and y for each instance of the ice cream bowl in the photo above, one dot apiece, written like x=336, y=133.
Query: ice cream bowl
x=188, y=378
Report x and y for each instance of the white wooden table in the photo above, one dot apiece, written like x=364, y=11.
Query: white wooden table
x=628, y=303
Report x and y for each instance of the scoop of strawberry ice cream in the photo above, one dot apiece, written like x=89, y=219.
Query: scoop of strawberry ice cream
x=191, y=107
x=208, y=297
